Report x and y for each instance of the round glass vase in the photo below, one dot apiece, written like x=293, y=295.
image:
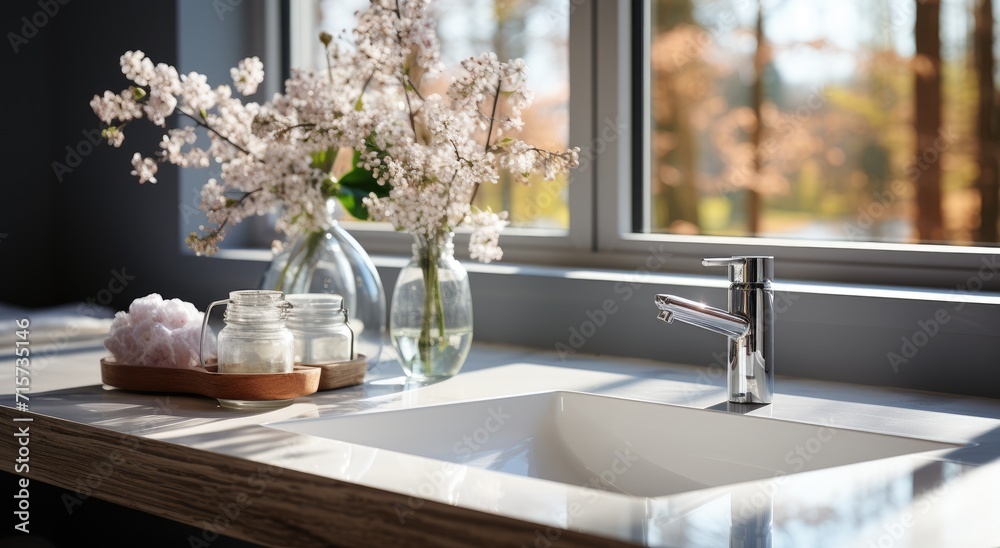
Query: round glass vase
x=332, y=261
x=430, y=321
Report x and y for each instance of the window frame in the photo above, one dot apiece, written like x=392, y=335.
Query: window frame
x=602, y=192
x=928, y=265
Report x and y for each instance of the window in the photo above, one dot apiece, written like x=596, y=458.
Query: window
x=709, y=184
x=620, y=236
x=535, y=30
x=862, y=120
x=663, y=99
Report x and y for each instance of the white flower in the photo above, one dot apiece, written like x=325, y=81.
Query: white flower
x=137, y=67
x=248, y=75
x=484, y=244
x=197, y=94
x=114, y=136
x=145, y=168
x=173, y=144
x=113, y=107
x=430, y=152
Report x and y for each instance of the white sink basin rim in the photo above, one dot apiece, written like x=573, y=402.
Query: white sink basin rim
x=637, y=448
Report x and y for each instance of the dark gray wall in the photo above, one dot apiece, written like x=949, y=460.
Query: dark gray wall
x=66, y=238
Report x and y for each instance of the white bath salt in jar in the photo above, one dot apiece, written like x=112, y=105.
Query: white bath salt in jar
x=255, y=339
x=318, y=322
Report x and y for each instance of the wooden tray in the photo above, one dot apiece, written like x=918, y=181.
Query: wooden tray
x=207, y=382
x=340, y=374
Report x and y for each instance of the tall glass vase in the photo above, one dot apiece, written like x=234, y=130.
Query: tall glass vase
x=430, y=321
x=332, y=261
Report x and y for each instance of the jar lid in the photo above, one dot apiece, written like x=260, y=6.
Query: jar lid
x=250, y=306
x=315, y=305
x=256, y=297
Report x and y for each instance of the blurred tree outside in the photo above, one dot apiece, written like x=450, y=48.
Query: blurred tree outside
x=541, y=203
x=863, y=120
x=987, y=129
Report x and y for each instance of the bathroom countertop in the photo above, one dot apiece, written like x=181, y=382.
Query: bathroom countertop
x=185, y=458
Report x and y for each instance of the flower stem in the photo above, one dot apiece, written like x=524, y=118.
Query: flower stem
x=289, y=284
x=213, y=130
x=489, y=132
x=432, y=314
x=428, y=266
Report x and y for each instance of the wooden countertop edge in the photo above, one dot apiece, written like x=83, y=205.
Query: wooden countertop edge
x=251, y=501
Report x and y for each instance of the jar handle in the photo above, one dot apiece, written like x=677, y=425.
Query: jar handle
x=204, y=329
x=349, y=328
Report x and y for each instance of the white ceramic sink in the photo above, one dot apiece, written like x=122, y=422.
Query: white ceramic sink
x=632, y=447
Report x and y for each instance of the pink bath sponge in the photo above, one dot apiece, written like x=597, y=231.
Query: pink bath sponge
x=159, y=333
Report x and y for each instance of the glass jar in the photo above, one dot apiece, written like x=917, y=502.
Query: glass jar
x=332, y=261
x=255, y=339
x=318, y=321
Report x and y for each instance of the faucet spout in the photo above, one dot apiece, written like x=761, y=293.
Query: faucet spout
x=701, y=315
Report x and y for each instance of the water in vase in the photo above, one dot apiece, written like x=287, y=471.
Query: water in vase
x=447, y=353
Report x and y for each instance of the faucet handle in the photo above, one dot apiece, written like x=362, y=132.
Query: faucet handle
x=745, y=269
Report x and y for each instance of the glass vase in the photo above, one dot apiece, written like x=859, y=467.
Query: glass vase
x=430, y=321
x=332, y=261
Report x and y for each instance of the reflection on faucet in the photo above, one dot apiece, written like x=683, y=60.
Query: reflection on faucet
x=701, y=315
x=693, y=518
x=752, y=512
x=748, y=324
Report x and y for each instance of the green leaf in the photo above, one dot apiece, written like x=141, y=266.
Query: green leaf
x=360, y=104
x=357, y=184
x=323, y=160
x=204, y=114
x=329, y=188
x=352, y=204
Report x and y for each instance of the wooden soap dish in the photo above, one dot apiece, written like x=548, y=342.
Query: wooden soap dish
x=340, y=374
x=304, y=380
x=208, y=382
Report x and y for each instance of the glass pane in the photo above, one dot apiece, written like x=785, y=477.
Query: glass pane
x=535, y=30
x=878, y=119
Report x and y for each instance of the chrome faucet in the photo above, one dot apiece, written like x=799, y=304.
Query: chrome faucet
x=749, y=325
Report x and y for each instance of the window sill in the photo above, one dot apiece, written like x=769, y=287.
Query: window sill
x=939, y=340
